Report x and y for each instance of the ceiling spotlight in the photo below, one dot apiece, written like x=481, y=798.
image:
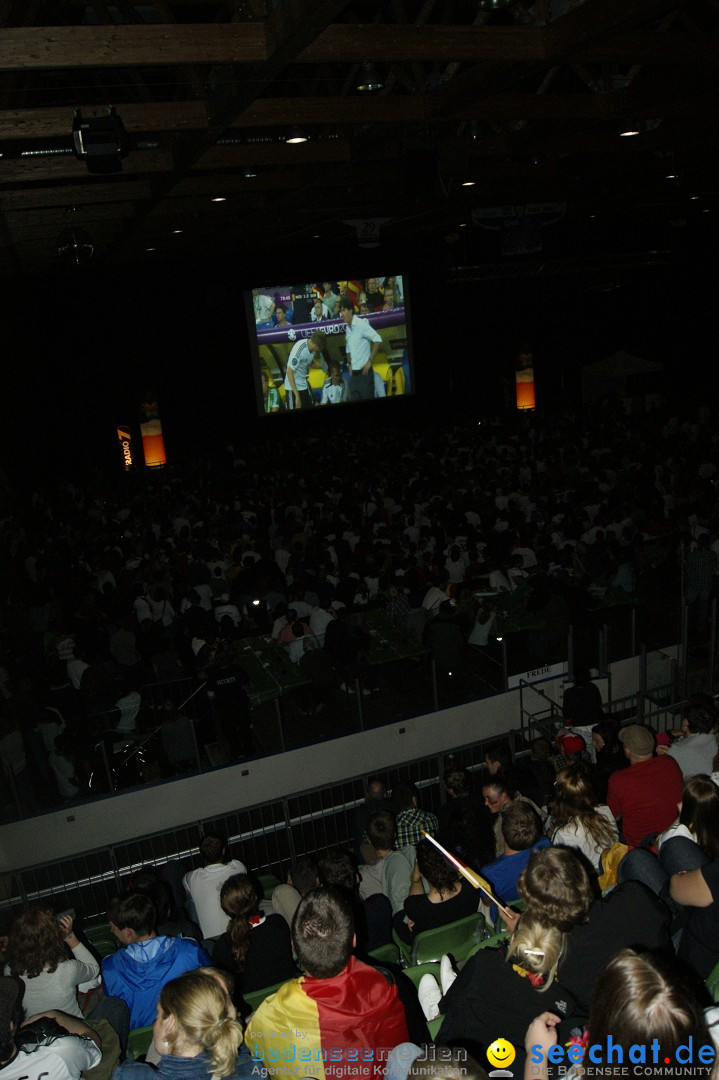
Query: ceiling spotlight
x=468, y=183
x=628, y=127
x=369, y=79
x=249, y=173
x=671, y=176
x=296, y=136
x=100, y=141
x=176, y=232
x=462, y=225
x=693, y=198
x=150, y=249
x=219, y=198
x=494, y=5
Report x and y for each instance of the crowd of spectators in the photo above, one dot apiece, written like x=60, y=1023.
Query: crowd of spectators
x=595, y=906
x=108, y=587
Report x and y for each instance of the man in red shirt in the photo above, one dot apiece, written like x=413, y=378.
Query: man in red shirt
x=645, y=796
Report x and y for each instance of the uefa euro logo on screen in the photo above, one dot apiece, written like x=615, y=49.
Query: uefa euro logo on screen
x=291, y=334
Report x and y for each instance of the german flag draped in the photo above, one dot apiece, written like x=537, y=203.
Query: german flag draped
x=332, y=1029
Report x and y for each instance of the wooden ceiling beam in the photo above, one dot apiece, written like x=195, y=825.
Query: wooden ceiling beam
x=51, y=47
x=259, y=154
x=56, y=215
x=352, y=43
x=273, y=112
x=595, y=20
x=674, y=49
x=234, y=184
x=75, y=195
x=56, y=123
x=38, y=124
x=100, y=230
x=30, y=170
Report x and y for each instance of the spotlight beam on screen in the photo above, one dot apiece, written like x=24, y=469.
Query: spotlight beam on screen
x=282, y=320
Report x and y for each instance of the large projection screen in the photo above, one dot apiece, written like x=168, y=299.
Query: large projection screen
x=284, y=318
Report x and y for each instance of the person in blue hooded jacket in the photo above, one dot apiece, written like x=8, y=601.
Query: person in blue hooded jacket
x=138, y=972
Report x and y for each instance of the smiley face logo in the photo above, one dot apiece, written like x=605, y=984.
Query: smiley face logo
x=501, y=1053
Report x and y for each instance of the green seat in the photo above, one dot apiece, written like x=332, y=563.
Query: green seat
x=269, y=883
x=489, y=943
x=388, y=954
x=433, y=1027
x=102, y=939
x=713, y=983
x=255, y=997
x=456, y=939
x=415, y=973
x=405, y=950
x=138, y=1042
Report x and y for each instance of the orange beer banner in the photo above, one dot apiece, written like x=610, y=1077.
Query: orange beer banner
x=153, y=445
x=524, y=371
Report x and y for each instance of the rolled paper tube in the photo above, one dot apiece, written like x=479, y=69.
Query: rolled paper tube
x=472, y=877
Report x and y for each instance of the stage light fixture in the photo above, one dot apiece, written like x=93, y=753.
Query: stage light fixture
x=100, y=141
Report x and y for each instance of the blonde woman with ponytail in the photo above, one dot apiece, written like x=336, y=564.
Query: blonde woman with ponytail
x=195, y=1033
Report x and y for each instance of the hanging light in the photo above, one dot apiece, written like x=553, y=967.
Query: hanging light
x=369, y=79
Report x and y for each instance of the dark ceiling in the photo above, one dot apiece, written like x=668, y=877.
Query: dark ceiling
x=526, y=100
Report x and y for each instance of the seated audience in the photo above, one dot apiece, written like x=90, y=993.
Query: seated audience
x=578, y=821
x=301, y=879
x=390, y=872
x=498, y=797
x=564, y=936
x=255, y=948
x=137, y=972
x=203, y=885
x=450, y=896
x=644, y=797
x=639, y=1000
x=339, y=1002
x=609, y=756
x=695, y=751
x=72, y=1049
x=412, y=822
x=47, y=955
x=196, y=1034
x=522, y=834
